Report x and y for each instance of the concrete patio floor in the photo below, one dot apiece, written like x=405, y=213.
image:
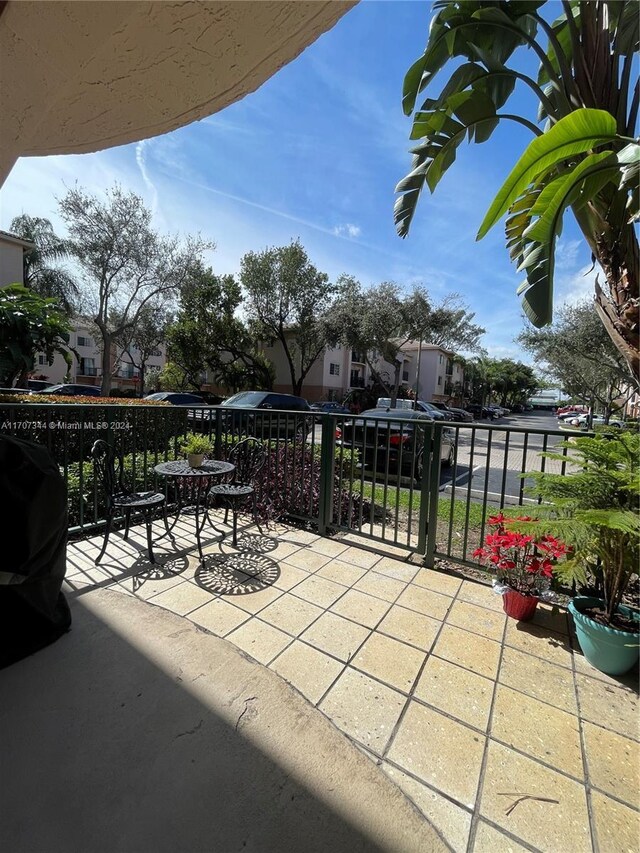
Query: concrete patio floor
x=501, y=733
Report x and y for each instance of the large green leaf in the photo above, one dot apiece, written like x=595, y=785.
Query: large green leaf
x=458, y=28
x=562, y=191
x=535, y=222
x=574, y=134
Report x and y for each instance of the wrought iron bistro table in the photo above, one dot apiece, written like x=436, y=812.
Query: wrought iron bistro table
x=184, y=476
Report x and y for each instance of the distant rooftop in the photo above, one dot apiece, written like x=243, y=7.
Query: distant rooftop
x=13, y=238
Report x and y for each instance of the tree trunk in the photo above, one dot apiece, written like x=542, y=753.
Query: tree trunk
x=396, y=384
x=619, y=309
x=106, y=363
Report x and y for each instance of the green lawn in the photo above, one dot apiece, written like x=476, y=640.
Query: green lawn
x=408, y=499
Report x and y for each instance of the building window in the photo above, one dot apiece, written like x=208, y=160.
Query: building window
x=334, y=369
x=440, y=360
x=405, y=375
x=88, y=367
x=440, y=378
x=155, y=352
x=42, y=359
x=84, y=342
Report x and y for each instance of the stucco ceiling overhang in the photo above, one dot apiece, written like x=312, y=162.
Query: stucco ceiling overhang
x=82, y=76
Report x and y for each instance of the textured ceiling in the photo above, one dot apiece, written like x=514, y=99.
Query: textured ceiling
x=81, y=76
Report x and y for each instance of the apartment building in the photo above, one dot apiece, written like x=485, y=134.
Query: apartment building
x=337, y=371
x=87, y=368
x=434, y=372
x=12, y=251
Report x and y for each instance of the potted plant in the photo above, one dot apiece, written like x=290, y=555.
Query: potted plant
x=523, y=564
x=594, y=508
x=196, y=447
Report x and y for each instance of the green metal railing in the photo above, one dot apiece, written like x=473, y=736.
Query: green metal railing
x=428, y=486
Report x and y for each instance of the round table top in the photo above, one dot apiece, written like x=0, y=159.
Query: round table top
x=181, y=468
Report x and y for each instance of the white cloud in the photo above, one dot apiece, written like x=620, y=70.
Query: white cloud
x=347, y=230
x=577, y=285
x=142, y=165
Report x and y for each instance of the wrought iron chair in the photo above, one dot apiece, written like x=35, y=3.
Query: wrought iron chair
x=110, y=470
x=249, y=457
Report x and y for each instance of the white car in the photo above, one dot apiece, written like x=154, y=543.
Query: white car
x=598, y=420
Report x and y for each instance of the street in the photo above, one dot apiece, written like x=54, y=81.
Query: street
x=495, y=470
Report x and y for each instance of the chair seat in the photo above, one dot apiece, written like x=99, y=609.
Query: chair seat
x=231, y=490
x=141, y=499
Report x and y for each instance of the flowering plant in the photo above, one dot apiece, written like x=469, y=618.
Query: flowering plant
x=522, y=562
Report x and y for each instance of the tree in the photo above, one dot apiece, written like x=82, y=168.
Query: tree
x=579, y=353
x=584, y=157
x=172, y=377
x=510, y=381
x=125, y=264
x=208, y=336
x=42, y=272
x=139, y=343
x=287, y=300
x=29, y=324
x=379, y=321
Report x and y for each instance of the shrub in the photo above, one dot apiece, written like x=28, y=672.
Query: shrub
x=69, y=433
x=288, y=484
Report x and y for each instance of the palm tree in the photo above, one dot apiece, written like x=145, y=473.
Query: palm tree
x=583, y=156
x=41, y=271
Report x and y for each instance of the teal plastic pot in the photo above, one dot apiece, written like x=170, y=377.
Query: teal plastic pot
x=607, y=649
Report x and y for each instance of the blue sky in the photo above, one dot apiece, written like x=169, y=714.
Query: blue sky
x=315, y=154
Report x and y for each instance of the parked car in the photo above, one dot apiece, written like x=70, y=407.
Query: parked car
x=410, y=406
x=73, y=390
x=38, y=384
x=567, y=410
x=331, y=407
x=393, y=440
x=479, y=411
x=14, y=391
x=500, y=411
x=597, y=420
x=177, y=398
x=517, y=408
x=267, y=422
x=453, y=413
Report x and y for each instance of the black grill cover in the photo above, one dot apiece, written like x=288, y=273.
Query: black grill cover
x=33, y=544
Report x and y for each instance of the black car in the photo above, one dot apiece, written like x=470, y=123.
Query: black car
x=479, y=411
x=410, y=405
x=453, y=413
x=278, y=415
x=393, y=440
x=177, y=398
x=72, y=390
x=38, y=384
x=331, y=407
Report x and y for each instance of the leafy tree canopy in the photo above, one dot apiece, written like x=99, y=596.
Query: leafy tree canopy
x=380, y=320
x=125, y=263
x=501, y=379
x=287, y=300
x=578, y=352
x=42, y=270
x=207, y=334
x=29, y=324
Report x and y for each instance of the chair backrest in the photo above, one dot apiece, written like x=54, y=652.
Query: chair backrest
x=248, y=456
x=109, y=468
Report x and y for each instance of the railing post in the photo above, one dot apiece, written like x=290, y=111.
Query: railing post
x=327, y=464
x=429, y=494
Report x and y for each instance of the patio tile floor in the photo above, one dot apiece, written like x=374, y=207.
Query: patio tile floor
x=468, y=712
